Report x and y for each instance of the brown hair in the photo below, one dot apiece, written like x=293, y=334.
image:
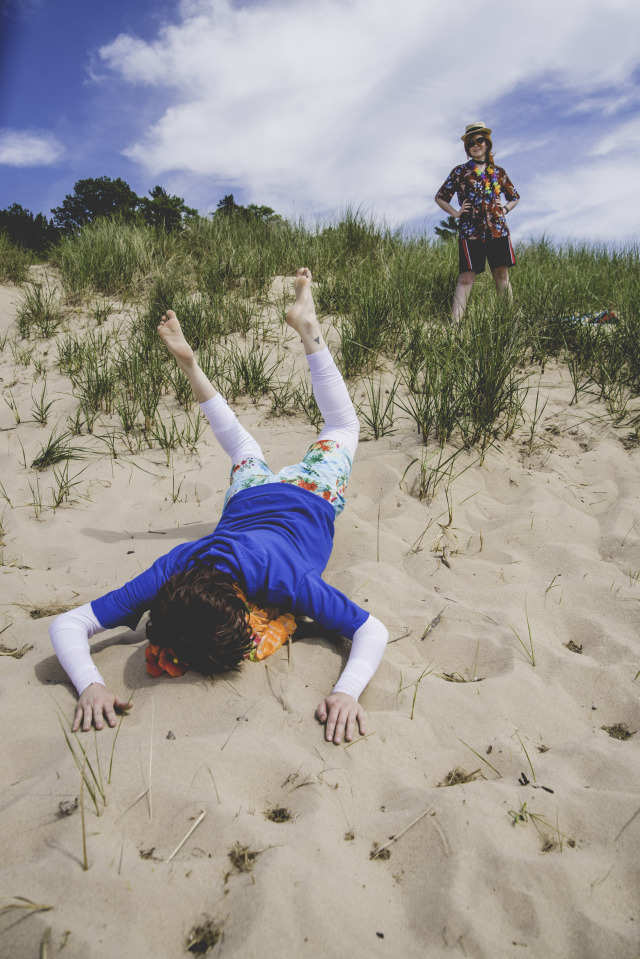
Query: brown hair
x=489, y=153
x=201, y=615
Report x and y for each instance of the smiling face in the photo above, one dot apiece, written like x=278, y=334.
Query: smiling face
x=477, y=147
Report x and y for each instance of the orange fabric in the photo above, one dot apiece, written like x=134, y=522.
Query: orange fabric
x=271, y=630
x=161, y=660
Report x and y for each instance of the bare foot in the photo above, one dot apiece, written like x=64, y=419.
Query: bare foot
x=170, y=332
x=301, y=317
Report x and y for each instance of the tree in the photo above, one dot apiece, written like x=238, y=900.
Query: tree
x=227, y=206
x=93, y=198
x=447, y=229
x=164, y=211
x=36, y=233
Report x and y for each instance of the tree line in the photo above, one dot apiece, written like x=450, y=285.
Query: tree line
x=96, y=197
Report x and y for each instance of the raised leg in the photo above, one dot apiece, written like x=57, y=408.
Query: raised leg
x=332, y=396
x=229, y=432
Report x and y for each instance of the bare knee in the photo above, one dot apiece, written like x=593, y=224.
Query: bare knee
x=467, y=279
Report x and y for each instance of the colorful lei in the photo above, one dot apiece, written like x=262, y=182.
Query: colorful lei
x=488, y=178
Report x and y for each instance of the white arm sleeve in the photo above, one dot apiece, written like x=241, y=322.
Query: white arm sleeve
x=367, y=648
x=70, y=634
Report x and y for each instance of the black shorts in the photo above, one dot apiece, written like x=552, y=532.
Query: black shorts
x=472, y=254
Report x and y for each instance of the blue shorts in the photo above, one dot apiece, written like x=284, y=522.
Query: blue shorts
x=324, y=470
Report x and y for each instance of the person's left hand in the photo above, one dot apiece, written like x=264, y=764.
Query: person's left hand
x=341, y=712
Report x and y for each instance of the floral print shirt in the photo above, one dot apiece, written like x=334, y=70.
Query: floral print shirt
x=486, y=219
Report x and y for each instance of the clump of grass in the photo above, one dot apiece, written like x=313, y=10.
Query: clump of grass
x=14, y=261
x=283, y=398
x=39, y=312
x=305, y=403
x=41, y=408
x=55, y=450
x=64, y=484
x=10, y=400
x=248, y=372
x=378, y=413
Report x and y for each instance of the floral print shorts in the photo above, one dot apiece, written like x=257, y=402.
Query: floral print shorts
x=324, y=470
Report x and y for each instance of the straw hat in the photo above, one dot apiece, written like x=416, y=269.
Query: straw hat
x=478, y=127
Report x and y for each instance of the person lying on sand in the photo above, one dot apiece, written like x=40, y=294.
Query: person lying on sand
x=271, y=545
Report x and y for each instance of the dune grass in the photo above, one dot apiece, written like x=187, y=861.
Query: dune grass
x=389, y=296
x=14, y=261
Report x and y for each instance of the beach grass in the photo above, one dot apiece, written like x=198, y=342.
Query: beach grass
x=389, y=296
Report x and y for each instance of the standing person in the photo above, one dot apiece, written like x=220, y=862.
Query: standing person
x=483, y=233
x=270, y=546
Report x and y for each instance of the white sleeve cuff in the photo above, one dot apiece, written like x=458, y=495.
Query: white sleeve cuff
x=367, y=648
x=70, y=633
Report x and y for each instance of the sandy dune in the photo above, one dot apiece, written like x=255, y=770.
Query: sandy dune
x=536, y=856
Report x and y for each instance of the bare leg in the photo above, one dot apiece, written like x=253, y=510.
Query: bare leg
x=302, y=318
x=460, y=297
x=170, y=332
x=501, y=279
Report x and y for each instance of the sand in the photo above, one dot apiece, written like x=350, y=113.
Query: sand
x=535, y=855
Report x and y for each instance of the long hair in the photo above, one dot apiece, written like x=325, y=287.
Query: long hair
x=201, y=614
x=489, y=153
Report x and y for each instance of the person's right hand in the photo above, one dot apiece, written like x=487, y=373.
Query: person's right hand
x=96, y=702
x=465, y=208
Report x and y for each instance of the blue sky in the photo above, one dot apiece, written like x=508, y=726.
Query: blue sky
x=311, y=105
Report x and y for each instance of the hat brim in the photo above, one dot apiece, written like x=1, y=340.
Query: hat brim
x=472, y=133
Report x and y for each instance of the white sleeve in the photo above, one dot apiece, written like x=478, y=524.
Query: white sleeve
x=367, y=648
x=70, y=634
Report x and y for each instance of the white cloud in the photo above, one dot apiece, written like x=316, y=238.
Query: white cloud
x=319, y=103
x=594, y=195
x=22, y=149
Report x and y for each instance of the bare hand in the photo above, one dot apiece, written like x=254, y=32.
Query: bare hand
x=340, y=712
x=95, y=702
x=465, y=208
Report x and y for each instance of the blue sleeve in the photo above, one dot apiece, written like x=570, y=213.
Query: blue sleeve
x=328, y=606
x=125, y=606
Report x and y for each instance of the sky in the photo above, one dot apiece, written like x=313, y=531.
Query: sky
x=313, y=106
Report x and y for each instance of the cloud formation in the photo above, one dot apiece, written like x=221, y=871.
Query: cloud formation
x=20, y=148
x=314, y=104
